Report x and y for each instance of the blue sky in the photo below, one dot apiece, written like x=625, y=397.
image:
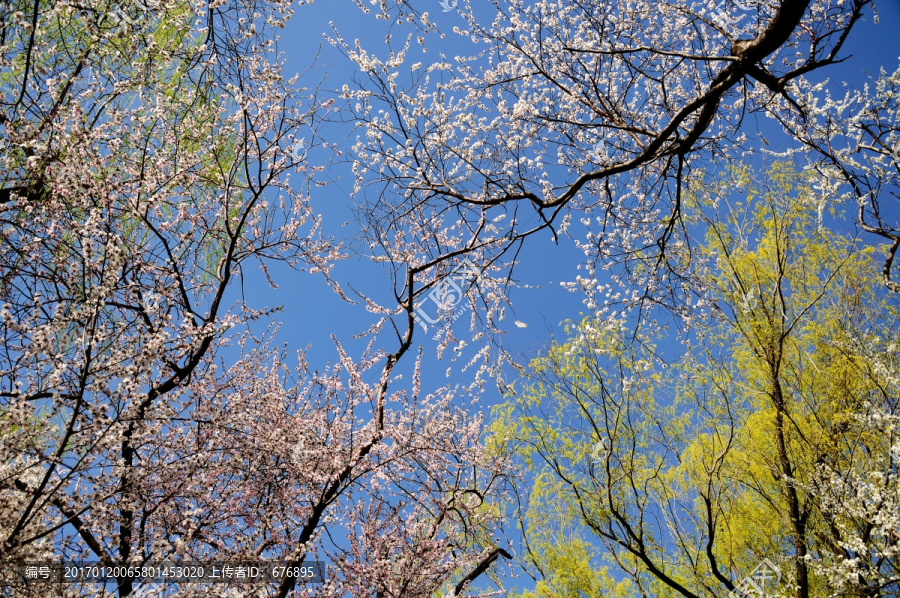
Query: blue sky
x=312, y=312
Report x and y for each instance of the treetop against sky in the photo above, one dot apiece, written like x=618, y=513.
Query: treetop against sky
x=451, y=110
x=248, y=314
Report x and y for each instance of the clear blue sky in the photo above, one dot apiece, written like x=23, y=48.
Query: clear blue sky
x=312, y=312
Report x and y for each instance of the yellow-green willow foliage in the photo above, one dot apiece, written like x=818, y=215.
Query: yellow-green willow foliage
x=647, y=478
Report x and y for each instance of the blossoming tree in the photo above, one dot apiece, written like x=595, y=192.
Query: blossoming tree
x=146, y=166
x=588, y=118
x=595, y=119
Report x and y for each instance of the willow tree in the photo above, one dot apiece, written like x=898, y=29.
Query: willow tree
x=681, y=480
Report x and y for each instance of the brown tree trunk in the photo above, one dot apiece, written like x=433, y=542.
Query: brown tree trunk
x=797, y=516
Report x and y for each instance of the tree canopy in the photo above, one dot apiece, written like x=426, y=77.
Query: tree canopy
x=771, y=436
x=153, y=152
